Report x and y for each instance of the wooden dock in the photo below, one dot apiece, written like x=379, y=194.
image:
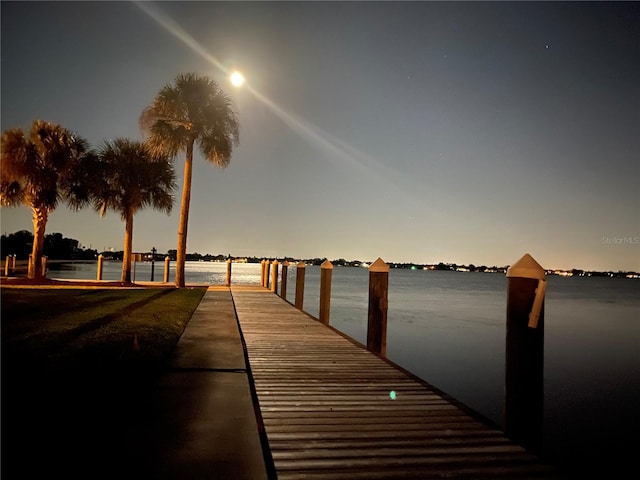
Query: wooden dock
x=333, y=410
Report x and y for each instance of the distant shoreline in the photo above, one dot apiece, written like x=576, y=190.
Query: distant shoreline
x=57, y=264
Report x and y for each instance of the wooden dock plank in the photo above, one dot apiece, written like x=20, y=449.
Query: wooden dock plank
x=329, y=411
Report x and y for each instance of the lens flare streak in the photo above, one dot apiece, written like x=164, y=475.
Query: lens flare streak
x=338, y=151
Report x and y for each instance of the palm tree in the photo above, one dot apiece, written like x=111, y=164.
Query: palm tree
x=132, y=179
x=40, y=171
x=191, y=110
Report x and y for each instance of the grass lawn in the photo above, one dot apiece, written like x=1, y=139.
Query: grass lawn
x=78, y=368
x=57, y=330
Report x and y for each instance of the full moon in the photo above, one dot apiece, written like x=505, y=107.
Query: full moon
x=237, y=79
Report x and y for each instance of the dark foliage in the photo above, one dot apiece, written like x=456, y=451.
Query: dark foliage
x=56, y=247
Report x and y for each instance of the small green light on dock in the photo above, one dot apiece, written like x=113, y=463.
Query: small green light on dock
x=392, y=394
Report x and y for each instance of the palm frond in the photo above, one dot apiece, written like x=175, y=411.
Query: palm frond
x=38, y=169
x=192, y=109
x=13, y=161
x=133, y=178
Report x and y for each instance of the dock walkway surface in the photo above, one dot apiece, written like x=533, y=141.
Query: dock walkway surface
x=332, y=410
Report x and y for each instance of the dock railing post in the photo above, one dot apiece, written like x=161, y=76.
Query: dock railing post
x=378, y=305
x=7, y=266
x=153, y=261
x=100, y=260
x=262, y=272
x=524, y=390
x=274, y=276
x=228, y=281
x=267, y=268
x=165, y=278
x=300, y=272
x=44, y=266
x=326, y=269
x=283, y=283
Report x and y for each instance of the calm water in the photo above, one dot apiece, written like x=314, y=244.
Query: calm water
x=449, y=328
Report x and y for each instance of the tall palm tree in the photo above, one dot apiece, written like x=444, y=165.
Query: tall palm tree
x=132, y=179
x=193, y=110
x=39, y=170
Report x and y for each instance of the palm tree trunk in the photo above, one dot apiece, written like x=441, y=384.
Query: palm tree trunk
x=128, y=245
x=184, y=217
x=39, y=217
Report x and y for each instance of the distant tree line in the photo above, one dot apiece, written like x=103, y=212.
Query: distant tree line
x=56, y=247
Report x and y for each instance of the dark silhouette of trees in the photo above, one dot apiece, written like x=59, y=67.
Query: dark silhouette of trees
x=39, y=170
x=131, y=179
x=56, y=247
x=19, y=244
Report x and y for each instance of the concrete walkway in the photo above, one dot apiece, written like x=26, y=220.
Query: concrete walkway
x=194, y=420
x=202, y=422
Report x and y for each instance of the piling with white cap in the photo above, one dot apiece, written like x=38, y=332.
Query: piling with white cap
x=524, y=393
x=283, y=282
x=378, y=305
x=326, y=270
x=300, y=272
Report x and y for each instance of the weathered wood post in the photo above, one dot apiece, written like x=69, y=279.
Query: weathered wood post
x=153, y=261
x=44, y=266
x=267, y=268
x=300, y=271
x=378, y=305
x=326, y=269
x=262, y=273
x=228, y=282
x=134, y=257
x=274, y=276
x=100, y=260
x=283, y=284
x=525, y=353
x=13, y=264
x=7, y=266
x=167, y=261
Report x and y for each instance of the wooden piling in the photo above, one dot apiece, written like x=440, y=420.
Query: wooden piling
x=153, y=262
x=7, y=266
x=524, y=391
x=228, y=281
x=274, y=276
x=300, y=272
x=262, y=273
x=44, y=266
x=283, y=283
x=378, y=305
x=267, y=268
x=167, y=261
x=326, y=270
x=100, y=260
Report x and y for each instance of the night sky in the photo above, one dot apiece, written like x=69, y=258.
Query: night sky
x=413, y=131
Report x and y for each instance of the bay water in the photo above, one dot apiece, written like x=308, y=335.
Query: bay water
x=449, y=328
